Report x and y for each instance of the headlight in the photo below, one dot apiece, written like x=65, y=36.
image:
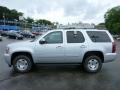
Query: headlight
x=7, y=50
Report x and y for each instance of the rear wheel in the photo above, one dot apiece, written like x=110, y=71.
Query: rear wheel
x=92, y=64
x=22, y=63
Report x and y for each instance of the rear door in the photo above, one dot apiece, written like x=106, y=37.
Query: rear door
x=74, y=47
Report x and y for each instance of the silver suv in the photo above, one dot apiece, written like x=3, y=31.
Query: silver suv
x=91, y=48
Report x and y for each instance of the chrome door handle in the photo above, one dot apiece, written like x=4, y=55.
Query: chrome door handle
x=82, y=46
x=59, y=47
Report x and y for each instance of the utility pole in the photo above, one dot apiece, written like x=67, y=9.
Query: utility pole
x=16, y=23
x=4, y=20
x=32, y=25
x=21, y=18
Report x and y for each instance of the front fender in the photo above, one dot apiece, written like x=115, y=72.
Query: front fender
x=22, y=50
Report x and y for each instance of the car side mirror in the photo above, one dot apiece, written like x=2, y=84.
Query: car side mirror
x=42, y=41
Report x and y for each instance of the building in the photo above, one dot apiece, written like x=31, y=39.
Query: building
x=9, y=27
x=79, y=25
x=101, y=27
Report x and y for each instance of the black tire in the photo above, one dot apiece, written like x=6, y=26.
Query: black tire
x=86, y=64
x=27, y=59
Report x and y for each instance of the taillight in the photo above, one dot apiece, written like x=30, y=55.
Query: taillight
x=113, y=47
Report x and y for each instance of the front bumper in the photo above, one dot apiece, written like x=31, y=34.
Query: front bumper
x=109, y=57
x=7, y=58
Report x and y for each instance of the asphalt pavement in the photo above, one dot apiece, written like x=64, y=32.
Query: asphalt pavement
x=59, y=77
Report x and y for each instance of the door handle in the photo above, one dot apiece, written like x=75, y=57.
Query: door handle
x=82, y=46
x=59, y=47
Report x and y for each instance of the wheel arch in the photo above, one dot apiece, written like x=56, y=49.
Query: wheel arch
x=21, y=53
x=97, y=53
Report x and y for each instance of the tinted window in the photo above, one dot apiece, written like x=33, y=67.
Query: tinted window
x=98, y=36
x=75, y=37
x=54, y=37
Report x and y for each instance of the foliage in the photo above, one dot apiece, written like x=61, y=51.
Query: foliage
x=29, y=20
x=101, y=24
x=112, y=20
x=13, y=15
x=43, y=22
x=9, y=14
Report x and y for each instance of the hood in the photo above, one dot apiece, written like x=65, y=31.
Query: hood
x=20, y=44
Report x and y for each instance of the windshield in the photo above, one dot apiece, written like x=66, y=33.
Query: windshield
x=36, y=38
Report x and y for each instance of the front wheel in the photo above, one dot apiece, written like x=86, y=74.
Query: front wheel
x=92, y=64
x=22, y=63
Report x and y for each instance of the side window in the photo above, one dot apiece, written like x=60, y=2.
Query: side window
x=98, y=36
x=75, y=37
x=54, y=37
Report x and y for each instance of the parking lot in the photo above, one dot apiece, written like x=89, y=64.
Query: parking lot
x=57, y=77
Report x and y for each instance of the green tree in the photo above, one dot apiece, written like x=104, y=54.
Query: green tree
x=101, y=24
x=13, y=15
x=112, y=20
x=43, y=22
x=29, y=20
x=9, y=14
x=3, y=11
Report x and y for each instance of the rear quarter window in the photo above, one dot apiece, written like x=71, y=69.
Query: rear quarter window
x=98, y=36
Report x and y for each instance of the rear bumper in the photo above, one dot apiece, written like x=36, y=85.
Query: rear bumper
x=7, y=58
x=109, y=57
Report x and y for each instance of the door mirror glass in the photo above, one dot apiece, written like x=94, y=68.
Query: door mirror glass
x=42, y=41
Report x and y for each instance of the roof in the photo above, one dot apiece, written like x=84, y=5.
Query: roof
x=78, y=30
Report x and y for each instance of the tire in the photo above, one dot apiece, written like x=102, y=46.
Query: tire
x=22, y=63
x=21, y=38
x=92, y=64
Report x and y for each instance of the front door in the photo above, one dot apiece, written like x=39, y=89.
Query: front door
x=52, y=51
